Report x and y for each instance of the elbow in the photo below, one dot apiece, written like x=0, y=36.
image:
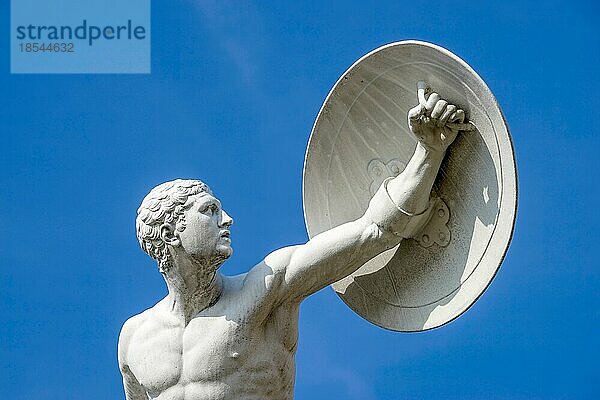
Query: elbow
x=383, y=239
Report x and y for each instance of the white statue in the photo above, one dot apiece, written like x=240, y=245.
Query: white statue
x=221, y=337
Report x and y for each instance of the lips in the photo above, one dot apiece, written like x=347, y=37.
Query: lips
x=225, y=234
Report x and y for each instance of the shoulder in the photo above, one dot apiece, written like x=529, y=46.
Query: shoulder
x=132, y=324
x=128, y=331
x=260, y=286
x=272, y=267
x=281, y=258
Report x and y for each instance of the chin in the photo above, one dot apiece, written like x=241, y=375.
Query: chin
x=224, y=252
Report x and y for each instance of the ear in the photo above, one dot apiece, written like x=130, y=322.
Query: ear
x=167, y=234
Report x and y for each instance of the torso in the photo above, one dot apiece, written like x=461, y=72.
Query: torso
x=230, y=351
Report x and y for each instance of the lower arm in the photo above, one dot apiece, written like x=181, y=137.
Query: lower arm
x=412, y=188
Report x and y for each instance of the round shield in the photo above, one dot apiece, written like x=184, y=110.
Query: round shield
x=361, y=137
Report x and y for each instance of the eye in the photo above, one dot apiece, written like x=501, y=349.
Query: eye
x=211, y=208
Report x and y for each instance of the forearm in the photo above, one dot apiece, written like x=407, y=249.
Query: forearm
x=399, y=207
x=412, y=188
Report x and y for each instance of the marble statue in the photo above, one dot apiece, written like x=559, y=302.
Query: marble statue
x=221, y=337
x=409, y=210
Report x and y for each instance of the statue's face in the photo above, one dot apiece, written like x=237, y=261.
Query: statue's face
x=206, y=234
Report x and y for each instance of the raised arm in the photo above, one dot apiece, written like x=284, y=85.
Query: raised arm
x=393, y=213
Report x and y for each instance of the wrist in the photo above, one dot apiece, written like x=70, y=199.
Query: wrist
x=428, y=154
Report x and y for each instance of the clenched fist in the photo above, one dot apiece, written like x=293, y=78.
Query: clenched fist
x=434, y=121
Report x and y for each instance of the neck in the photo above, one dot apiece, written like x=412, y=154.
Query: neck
x=191, y=288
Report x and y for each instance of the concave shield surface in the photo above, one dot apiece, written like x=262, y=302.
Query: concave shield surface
x=361, y=136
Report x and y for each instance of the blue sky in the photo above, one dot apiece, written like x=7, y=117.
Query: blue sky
x=231, y=99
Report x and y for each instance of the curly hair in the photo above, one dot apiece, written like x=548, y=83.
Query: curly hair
x=164, y=204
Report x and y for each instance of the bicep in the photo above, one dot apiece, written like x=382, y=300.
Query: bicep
x=331, y=256
x=290, y=274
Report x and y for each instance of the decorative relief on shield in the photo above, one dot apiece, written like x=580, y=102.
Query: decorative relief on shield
x=380, y=171
x=436, y=229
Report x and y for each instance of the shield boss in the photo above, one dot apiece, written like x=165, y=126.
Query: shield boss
x=361, y=137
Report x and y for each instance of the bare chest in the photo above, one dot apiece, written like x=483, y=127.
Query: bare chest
x=208, y=352
x=162, y=356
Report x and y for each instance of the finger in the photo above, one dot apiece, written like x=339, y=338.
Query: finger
x=461, y=126
x=432, y=101
x=439, y=108
x=416, y=112
x=450, y=109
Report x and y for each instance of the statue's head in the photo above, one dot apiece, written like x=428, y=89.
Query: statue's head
x=183, y=218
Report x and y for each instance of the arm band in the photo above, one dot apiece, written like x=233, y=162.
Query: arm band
x=389, y=217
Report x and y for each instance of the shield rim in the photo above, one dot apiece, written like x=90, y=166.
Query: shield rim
x=499, y=242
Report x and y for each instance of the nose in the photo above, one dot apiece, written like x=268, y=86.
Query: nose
x=226, y=220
